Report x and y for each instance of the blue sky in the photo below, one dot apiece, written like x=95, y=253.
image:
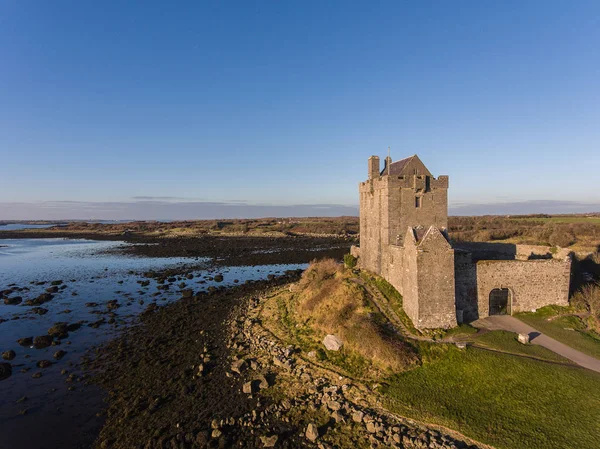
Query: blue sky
x=280, y=104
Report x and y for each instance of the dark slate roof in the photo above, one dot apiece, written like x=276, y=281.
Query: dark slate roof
x=396, y=168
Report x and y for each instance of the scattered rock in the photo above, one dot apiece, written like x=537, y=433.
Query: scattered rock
x=26, y=341
x=248, y=387
x=239, y=366
x=312, y=432
x=357, y=416
x=39, y=310
x=269, y=441
x=59, y=330
x=218, y=278
x=42, y=341
x=332, y=343
x=13, y=301
x=9, y=355
x=59, y=354
x=44, y=364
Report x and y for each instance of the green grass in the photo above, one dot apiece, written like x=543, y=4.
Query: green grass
x=503, y=400
x=507, y=341
x=568, y=329
x=394, y=298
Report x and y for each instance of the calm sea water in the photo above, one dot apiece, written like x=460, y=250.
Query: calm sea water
x=20, y=226
x=91, y=273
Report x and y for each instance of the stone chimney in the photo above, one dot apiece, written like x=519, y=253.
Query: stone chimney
x=388, y=163
x=374, y=167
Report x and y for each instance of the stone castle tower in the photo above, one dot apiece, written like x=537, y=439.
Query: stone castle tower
x=404, y=238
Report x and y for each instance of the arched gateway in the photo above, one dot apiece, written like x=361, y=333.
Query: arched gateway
x=500, y=301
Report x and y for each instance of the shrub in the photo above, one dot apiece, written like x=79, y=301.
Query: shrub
x=588, y=298
x=350, y=260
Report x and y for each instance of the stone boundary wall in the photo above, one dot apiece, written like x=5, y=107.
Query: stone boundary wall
x=511, y=251
x=532, y=283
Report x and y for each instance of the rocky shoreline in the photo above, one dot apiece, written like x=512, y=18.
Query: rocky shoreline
x=204, y=372
x=229, y=250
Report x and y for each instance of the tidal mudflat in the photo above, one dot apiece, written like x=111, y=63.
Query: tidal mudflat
x=61, y=298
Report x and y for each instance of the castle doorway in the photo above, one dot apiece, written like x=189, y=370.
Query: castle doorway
x=500, y=301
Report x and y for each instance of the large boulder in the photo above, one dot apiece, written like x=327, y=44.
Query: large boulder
x=332, y=343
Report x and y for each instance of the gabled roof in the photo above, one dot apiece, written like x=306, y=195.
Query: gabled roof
x=397, y=168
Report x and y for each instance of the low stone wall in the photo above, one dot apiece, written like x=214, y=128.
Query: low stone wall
x=532, y=283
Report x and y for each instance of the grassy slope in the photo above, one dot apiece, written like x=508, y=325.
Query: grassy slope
x=560, y=329
x=506, y=401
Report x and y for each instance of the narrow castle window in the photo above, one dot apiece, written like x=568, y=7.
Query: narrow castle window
x=417, y=201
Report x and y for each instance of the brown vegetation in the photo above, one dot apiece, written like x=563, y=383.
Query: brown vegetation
x=563, y=231
x=331, y=303
x=588, y=298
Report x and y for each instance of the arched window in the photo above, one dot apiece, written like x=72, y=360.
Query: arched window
x=500, y=301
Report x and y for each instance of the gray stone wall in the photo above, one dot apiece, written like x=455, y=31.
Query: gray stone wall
x=410, y=282
x=435, y=278
x=404, y=213
x=532, y=283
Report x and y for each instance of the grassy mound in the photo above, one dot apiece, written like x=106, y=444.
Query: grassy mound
x=330, y=301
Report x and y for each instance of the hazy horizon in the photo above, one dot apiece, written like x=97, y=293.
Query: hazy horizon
x=196, y=210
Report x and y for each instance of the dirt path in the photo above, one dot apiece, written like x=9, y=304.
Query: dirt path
x=511, y=324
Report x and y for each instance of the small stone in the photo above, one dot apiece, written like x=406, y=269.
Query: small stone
x=9, y=355
x=263, y=383
x=247, y=388
x=59, y=354
x=357, y=416
x=239, y=366
x=312, y=432
x=337, y=416
x=216, y=433
x=269, y=441
x=333, y=405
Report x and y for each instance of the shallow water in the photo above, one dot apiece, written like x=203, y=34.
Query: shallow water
x=90, y=272
x=21, y=226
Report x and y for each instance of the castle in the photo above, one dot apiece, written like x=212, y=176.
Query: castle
x=404, y=239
